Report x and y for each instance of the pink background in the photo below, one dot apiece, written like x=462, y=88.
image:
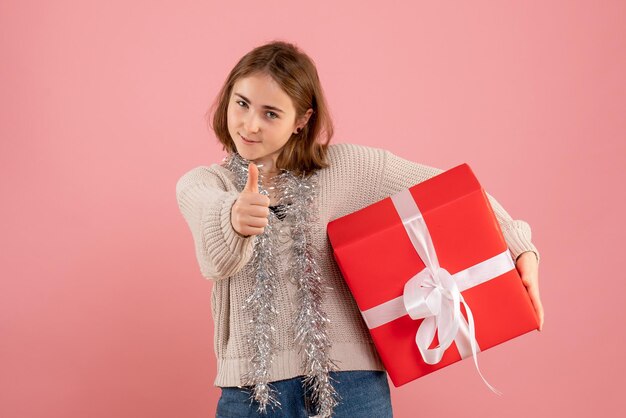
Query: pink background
x=103, y=312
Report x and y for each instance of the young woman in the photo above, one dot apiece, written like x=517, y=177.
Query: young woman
x=289, y=338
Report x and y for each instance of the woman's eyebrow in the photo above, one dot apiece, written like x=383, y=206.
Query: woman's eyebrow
x=264, y=106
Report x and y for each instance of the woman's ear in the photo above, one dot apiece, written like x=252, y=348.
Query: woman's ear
x=304, y=119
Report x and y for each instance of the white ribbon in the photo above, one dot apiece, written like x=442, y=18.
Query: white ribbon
x=435, y=295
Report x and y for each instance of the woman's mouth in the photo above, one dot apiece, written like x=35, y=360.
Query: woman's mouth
x=247, y=141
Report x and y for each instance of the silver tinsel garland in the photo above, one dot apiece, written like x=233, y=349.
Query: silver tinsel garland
x=297, y=194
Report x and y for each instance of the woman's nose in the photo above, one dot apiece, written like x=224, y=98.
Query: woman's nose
x=251, y=123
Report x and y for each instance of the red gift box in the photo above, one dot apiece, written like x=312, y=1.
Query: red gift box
x=378, y=252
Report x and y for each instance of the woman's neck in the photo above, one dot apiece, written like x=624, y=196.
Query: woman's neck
x=267, y=166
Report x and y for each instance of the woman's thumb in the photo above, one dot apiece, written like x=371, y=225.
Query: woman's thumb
x=253, y=179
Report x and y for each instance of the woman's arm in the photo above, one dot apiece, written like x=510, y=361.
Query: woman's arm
x=528, y=268
x=206, y=205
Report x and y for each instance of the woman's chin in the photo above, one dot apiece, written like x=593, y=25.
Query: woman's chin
x=245, y=154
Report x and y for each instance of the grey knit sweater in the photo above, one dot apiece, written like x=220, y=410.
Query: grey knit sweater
x=357, y=177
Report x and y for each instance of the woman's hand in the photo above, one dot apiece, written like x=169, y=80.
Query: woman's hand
x=528, y=267
x=249, y=213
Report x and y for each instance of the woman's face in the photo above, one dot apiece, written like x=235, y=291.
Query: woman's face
x=261, y=119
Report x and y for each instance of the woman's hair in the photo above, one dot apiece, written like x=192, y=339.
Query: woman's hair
x=296, y=74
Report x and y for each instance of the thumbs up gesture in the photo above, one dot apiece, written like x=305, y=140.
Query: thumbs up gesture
x=251, y=209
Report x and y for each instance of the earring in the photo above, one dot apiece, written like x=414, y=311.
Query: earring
x=297, y=131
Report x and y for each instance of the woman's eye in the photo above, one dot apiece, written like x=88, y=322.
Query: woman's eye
x=241, y=103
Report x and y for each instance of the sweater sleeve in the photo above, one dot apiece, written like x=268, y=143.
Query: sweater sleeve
x=399, y=174
x=205, y=204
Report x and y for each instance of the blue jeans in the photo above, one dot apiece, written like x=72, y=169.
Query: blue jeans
x=363, y=393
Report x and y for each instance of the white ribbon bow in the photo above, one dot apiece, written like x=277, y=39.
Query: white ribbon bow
x=435, y=295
